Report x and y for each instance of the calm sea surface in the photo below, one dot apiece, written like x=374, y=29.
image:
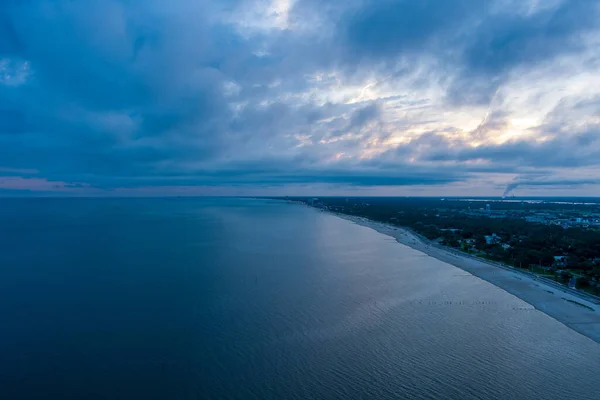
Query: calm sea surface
x=231, y=298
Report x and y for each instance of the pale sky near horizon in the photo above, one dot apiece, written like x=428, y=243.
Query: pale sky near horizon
x=300, y=97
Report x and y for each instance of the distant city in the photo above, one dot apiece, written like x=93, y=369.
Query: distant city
x=566, y=218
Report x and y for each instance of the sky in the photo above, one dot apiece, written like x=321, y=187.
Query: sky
x=300, y=97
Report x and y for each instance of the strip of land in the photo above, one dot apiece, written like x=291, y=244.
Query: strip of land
x=572, y=308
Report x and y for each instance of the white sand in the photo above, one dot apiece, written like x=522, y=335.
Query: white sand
x=548, y=297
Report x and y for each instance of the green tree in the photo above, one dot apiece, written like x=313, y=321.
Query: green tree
x=582, y=283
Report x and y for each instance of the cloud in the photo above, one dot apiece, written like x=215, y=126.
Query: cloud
x=110, y=95
x=557, y=152
x=480, y=42
x=388, y=29
x=536, y=180
x=36, y=184
x=364, y=115
x=512, y=41
x=517, y=39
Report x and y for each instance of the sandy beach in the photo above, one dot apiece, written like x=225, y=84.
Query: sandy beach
x=566, y=306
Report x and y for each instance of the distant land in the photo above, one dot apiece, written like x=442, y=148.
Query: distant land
x=557, y=238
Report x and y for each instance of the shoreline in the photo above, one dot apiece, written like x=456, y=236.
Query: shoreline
x=560, y=303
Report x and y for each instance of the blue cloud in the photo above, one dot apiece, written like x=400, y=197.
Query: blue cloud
x=390, y=28
x=122, y=94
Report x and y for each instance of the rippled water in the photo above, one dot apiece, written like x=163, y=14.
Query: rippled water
x=232, y=298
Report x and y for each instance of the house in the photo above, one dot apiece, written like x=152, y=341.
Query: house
x=536, y=219
x=560, y=260
x=492, y=239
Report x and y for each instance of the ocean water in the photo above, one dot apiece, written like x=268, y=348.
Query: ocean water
x=256, y=299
